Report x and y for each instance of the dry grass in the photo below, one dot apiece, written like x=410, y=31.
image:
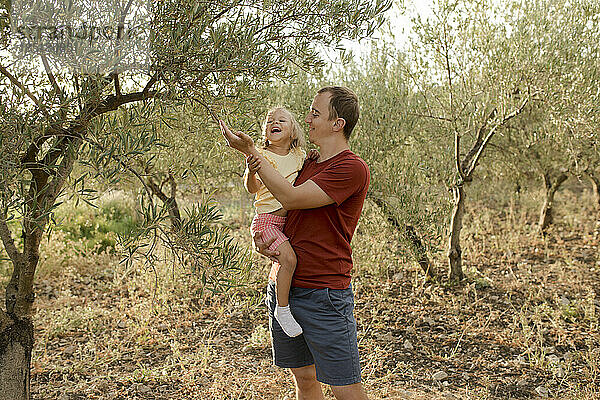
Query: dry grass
x=525, y=321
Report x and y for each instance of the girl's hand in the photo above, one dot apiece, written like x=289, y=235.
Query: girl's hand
x=253, y=164
x=313, y=155
x=238, y=140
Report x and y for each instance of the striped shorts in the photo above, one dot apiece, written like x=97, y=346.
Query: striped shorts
x=270, y=226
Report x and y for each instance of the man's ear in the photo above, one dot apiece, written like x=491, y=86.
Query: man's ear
x=339, y=124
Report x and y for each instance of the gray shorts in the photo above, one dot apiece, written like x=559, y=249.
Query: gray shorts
x=329, y=337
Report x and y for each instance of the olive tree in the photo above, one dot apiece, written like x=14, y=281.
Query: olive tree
x=556, y=136
x=479, y=64
x=530, y=150
x=471, y=86
x=52, y=115
x=572, y=82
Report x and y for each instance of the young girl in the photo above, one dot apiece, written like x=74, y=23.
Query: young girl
x=284, y=143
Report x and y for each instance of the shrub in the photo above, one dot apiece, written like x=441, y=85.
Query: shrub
x=98, y=227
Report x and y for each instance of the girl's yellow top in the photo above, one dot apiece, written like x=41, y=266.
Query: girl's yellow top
x=288, y=166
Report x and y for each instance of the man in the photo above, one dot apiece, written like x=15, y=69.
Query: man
x=323, y=205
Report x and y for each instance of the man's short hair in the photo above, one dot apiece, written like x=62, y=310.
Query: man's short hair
x=343, y=104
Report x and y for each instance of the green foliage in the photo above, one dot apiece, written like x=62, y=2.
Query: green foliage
x=556, y=131
x=243, y=41
x=132, y=134
x=408, y=164
x=98, y=228
x=194, y=141
x=199, y=242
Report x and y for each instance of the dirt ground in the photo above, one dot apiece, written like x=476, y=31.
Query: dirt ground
x=524, y=324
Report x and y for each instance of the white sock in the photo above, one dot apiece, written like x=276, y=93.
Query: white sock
x=284, y=316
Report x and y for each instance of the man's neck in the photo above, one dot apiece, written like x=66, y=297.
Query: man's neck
x=329, y=149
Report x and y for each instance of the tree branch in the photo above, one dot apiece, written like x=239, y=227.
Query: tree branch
x=8, y=241
x=489, y=117
x=78, y=91
x=214, y=116
x=117, y=84
x=492, y=132
x=157, y=191
x=431, y=116
x=173, y=185
x=479, y=138
x=408, y=232
x=169, y=202
x=112, y=102
x=151, y=82
x=16, y=82
x=33, y=149
x=457, y=154
x=120, y=29
x=52, y=79
x=457, y=160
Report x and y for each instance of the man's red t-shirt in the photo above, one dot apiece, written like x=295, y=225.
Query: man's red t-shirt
x=321, y=236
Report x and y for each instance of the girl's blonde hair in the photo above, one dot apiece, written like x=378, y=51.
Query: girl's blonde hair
x=297, y=135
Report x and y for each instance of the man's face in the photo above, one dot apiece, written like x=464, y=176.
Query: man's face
x=319, y=125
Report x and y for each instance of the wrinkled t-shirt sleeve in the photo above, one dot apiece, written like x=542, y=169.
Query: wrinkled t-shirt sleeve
x=342, y=179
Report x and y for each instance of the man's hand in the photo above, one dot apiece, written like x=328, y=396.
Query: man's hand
x=253, y=164
x=263, y=247
x=238, y=140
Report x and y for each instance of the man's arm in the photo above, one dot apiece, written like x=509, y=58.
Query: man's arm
x=306, y=195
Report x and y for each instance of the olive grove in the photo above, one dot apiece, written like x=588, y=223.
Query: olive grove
x=53, y=116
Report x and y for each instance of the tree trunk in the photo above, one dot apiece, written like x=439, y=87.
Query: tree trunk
x=408, y=232
x=454, y=250
x=596, y=189
x=16, y=344
x=16, y=328
x=546, y=216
